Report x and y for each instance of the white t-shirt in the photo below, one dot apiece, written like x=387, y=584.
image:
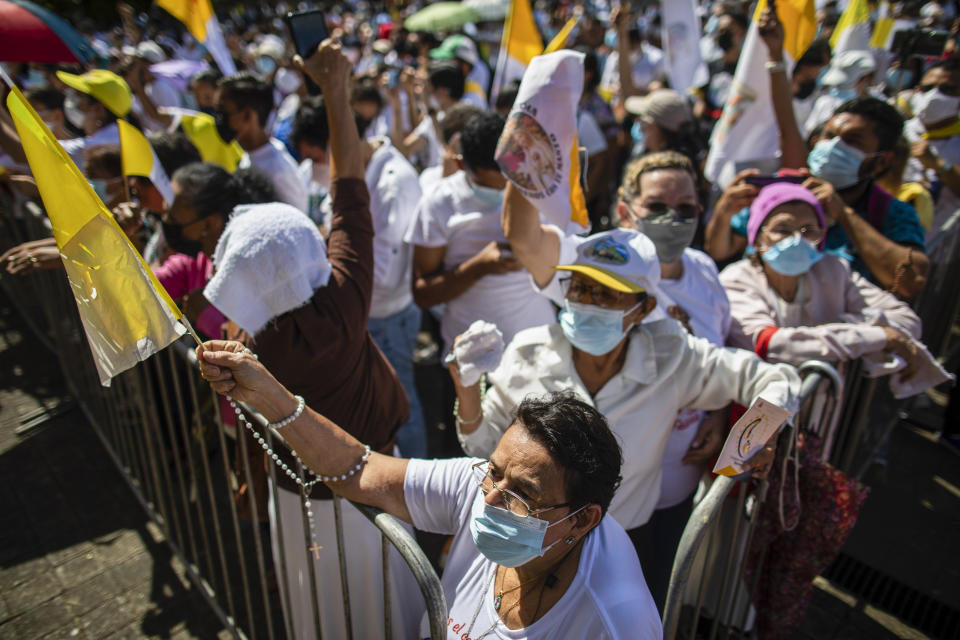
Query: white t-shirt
x=948, y=149
x=394, y=194
x=607, y=599
x=432, y=153
x=589, y=134
x=430, y=178
x=275, y=161
x=452, y=216
x=699, y=293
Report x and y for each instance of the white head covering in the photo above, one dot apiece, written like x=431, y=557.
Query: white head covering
x=269, y=260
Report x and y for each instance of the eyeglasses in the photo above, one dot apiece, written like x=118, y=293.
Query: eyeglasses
x=657, y=209
x=511, y=501
x=810, y=233
x=577, y=290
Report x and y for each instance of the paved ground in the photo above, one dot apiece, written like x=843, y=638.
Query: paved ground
x=79, y=559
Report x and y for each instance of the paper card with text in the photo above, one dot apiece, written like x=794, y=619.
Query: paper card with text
x=751, y=432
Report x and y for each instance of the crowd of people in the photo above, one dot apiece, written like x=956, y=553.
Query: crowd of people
x=335, y=214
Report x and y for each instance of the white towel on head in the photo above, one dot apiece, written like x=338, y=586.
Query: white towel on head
x=269, y=260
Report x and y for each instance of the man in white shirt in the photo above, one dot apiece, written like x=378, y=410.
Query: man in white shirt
x=460, y=254
x=243, y=105
x=394, y=188
x=934, y=134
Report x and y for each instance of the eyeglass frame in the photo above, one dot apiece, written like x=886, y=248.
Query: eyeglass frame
x=657, y=212
x=566, y=285
x=779, y=236
x=531, y=513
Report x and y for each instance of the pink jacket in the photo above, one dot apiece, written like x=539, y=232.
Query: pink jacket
x=837, y=315
x=180, y=275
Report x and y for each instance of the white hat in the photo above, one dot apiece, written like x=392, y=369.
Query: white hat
x=269, y=260
x=622, y=259
x=665, y=107
x=848, y=67
x=272, y=47
x=151, y=51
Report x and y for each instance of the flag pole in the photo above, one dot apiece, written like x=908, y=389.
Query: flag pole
x=192, y=331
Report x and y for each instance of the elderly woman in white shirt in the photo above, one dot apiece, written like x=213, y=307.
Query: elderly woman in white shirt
x=611, y=352
x=534, y=552
x=791, y=302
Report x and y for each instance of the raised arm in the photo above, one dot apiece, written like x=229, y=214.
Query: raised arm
x=793, y=148
x=537, y=249
x=720, y=241
x=331, y=69
x=323, y=447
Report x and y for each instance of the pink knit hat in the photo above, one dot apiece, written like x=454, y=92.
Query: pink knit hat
x=774, y=195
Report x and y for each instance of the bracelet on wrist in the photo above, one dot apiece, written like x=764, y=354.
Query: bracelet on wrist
x=293, y=416
x=775, y=67
x=461, y=421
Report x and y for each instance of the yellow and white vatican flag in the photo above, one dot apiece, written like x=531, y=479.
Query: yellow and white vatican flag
x=519, y=43
x=201, y=22
x=126, y=314
x=746, y=133
x=563, y=36
x=201, y=129
x=538, y=151
x=139, y=159
x=853, y=31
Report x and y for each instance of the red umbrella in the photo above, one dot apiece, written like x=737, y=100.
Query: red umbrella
x=30, y=33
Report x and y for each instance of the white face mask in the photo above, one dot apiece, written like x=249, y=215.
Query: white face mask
x=73, y=113
x=934, y=106
x=287, y=81
x=321, y=174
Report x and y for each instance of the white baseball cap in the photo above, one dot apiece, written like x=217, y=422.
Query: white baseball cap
x=847, y=68
x=622, y=259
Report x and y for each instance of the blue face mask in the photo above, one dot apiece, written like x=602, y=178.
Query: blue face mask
x=488, y=195
x=592, y=329
x=792, y=256
x=843, y=93
x=265, y=65
x=836, y=162
x=898, y=79
x=639, y=140
x=100, y=186
x=507, y=539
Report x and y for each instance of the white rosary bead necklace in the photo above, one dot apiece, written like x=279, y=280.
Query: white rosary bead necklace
x=293, y=475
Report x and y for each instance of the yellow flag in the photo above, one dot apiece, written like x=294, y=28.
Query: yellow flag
x=852, y=32
x=201, y=21
x=799, y=20
x=560, y=40
x=201, y=129
x=139, y=159
x=126, y=314
x=194, y=14
x=519, y=44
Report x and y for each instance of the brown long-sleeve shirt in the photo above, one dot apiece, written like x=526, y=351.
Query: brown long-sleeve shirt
x=323, y=350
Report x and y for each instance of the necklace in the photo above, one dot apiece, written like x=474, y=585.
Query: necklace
x=498, y=599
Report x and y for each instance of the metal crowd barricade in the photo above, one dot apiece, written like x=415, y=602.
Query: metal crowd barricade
x=707, y=596
x=161, y=425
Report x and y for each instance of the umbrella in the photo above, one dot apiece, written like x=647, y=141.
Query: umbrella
x=489, y=10
x=29, y=33
x=441, y=16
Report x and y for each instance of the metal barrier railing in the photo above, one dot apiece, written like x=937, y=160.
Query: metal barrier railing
x=161, y=425
x=720, y=530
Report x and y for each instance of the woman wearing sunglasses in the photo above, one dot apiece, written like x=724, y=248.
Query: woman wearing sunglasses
x=534, y=553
